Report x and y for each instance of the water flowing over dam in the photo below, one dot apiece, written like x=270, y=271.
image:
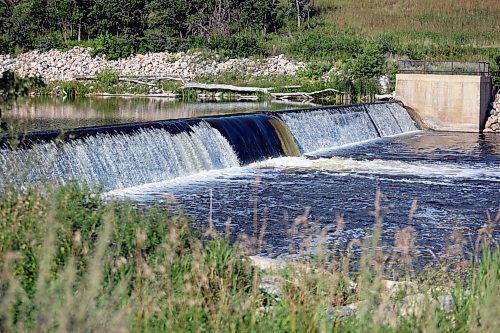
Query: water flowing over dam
x=128, y=155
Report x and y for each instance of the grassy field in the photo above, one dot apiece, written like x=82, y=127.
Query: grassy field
x=466, y=22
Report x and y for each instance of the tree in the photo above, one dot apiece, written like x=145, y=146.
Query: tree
x=370, y=63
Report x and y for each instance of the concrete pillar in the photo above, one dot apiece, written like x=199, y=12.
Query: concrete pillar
x=447, y=102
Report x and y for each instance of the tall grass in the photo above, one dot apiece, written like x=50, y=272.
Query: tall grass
x=71, y=263
x=471, y=22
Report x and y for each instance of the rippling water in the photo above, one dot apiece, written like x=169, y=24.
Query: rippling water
x=454, y=177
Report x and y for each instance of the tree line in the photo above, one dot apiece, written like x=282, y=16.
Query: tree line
x=150, y=24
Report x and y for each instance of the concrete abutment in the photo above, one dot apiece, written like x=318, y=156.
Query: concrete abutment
x=447, y=102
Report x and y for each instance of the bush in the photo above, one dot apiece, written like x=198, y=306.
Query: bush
x=113, y=47
x=50, y=41
x=495, y=66
x=5, y=45
x=370, y=63
x=156, y=40
x=233, y=46
x=314, y=70
x=107, y=77
x=313, y=45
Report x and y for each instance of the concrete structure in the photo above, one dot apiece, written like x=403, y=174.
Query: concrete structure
x=447, y=102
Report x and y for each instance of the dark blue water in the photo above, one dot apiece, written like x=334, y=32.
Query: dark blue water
x=253, y=138
x=454, y=178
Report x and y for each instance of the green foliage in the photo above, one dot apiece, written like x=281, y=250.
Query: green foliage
x=314, y=45
x=156, y=40
x=107, y=77
x=71, y=262
x=113, y=47
x=72, y=88
x=234, y=46
x=495, y=66
x=52, y=40
x=370, y=63
x=314, y=70
x=13, y=86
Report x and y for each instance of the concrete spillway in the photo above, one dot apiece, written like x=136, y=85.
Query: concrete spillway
x=134, y=154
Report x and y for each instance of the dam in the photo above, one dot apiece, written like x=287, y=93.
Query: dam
x=138, y=153
x=446, y=96
x=281, y=170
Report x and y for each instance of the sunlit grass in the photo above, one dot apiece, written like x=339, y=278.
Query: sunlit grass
x=71, y=263
x=471, y=22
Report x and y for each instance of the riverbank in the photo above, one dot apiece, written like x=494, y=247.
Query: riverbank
x=493, y=121
x=184, y=75
x=84, y=265
x=55, y=65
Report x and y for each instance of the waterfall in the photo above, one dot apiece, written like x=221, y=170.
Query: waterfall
x=337, y=126
x=125, y=160
x=329, y=128
x=127, y=155
x=288, y=143
x=253, y=137
x=402, y=117
x=383, y=119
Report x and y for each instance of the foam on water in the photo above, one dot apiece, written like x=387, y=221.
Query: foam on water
x=129, y=155
x=387, y=167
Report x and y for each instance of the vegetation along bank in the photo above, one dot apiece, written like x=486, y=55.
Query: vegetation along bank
x=356, y=41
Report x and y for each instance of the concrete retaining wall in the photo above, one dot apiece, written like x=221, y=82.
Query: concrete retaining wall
x=447, y=102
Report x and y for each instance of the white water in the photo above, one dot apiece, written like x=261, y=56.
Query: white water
x=386, y=167
x=119, y=161
x=383, y=119
x=315, y=130
x=402, y=117
x=323, y=129
x=147, y=156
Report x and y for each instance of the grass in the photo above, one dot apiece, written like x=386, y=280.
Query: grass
x=470, y=22
x=71, y=263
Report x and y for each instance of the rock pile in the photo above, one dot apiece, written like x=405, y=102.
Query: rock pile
x=58, y=65
x=493, y=122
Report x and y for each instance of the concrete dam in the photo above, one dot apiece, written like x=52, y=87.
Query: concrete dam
x=446, y=96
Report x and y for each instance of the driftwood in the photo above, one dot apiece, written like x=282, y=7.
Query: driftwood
x=226, y=87
x=137, y=81
x=304, y=95
x=384, y=97
x=165, y=95
x=285, y=96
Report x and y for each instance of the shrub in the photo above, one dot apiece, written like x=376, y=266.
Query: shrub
x=370, y=63
x=233, y=46
x=107, y=77
x=314, y=45
x=156, y=40
x=113, y=47
x=495, y=66
x=49, y=41
x=314, y=70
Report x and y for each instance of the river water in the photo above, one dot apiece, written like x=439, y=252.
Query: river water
x=453, y=177
x=346, y=156
x=43, y=113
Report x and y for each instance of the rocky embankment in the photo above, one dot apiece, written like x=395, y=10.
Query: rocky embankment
x=77, y=62
x=493, y=121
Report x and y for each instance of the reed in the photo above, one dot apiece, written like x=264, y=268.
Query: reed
x=71, y=263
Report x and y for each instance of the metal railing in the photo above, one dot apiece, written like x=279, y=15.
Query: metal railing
x=443, y=67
